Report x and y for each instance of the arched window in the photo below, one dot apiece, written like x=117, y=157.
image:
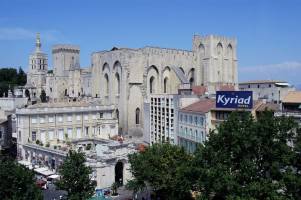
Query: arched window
x=117, y=83
x=191, y=81
x=165, y=84
x=151, y=84
x=106, y=84
x=137, y=116
x=117, y=114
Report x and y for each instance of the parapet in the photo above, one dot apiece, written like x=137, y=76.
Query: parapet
x=65, y=47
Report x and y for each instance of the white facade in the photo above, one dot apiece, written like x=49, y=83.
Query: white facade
x=193, y=129
x=272, y=91
x=55, y=124
x=162, y=119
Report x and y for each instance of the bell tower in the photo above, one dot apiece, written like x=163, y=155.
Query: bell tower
x=37, y=68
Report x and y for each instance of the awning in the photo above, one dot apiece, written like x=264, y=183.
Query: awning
x=44, y=171
x=24, y=162
x=54, y=176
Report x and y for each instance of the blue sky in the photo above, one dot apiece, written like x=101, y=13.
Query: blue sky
x=268, y=31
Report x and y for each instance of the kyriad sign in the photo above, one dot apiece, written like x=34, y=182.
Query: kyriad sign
x=234, y=99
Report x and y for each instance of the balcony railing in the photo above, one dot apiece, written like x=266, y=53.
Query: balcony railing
x=190, y=137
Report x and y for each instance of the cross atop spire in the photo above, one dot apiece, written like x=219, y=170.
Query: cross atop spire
x=38, y=43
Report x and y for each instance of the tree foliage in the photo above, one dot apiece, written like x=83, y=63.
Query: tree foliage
x=163, y=168
x=243, y=159
x=251, y=159
x=17, y=182
x=9, y=78
x=75, y=177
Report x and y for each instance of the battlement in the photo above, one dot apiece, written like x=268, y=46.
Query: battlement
x=166, y=51
x=215, y=37
x=65, y=47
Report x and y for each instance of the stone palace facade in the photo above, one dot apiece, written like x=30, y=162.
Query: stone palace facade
x=126, y=77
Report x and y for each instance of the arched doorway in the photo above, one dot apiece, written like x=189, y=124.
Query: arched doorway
x=119, y=173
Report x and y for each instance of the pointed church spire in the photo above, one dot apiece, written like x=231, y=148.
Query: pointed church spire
x=38, y=43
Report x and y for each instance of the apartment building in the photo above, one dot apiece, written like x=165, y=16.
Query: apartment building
x=194, y=123
x=270, y=90
x=44, y=128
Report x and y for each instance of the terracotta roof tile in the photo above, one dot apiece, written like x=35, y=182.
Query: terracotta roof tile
x=199, y=90
x=202, y=106
x=292, y=97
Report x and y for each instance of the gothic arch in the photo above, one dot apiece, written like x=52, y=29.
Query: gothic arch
x=219, y=48
x=153, y=67
x=191, y=76
x=106, y=67
x=182, y=70
x=137, y=116
x=116, y=64
x=230, y=51
x=152, y=84
x=117, y=84
x=152, y=79
x=166, y=85
x=166, y=79
x=106, y=84
x=202, y=49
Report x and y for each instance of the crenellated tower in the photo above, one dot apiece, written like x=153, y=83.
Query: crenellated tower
x=217, y=60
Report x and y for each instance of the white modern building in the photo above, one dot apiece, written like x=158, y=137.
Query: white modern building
x=194, y=124
x=270, y=90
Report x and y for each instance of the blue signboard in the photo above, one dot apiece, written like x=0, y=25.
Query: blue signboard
x=234, y=99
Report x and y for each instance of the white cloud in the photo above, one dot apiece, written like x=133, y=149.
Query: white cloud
x=24, y=34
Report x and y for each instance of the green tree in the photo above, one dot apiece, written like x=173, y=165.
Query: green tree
x=163, y=167
x=250, y=159
x=17, y=182
x=9, y=78
x=43, y=96
x=21, y=77
x=75, y=177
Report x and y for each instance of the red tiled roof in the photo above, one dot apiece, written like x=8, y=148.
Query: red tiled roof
x=202, y=106
x=199, y=90
x=226, y=88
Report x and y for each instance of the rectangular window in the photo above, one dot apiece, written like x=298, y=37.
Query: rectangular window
x=78, y=132
x=77, y=117
x=50, y=135
x=86, y=117
x=42, y=119
x=69, y=133
x=61, y=134
x=69, y=118
x=33, y=136
x=94, y=116
x=185, y=118
x=190, y=119
x=86, y=131
x=195, y=120
x=0, y=134
x=60, y=118
x=181, y=117
x=34, y=120
x=50, y=119
x=101, y=115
